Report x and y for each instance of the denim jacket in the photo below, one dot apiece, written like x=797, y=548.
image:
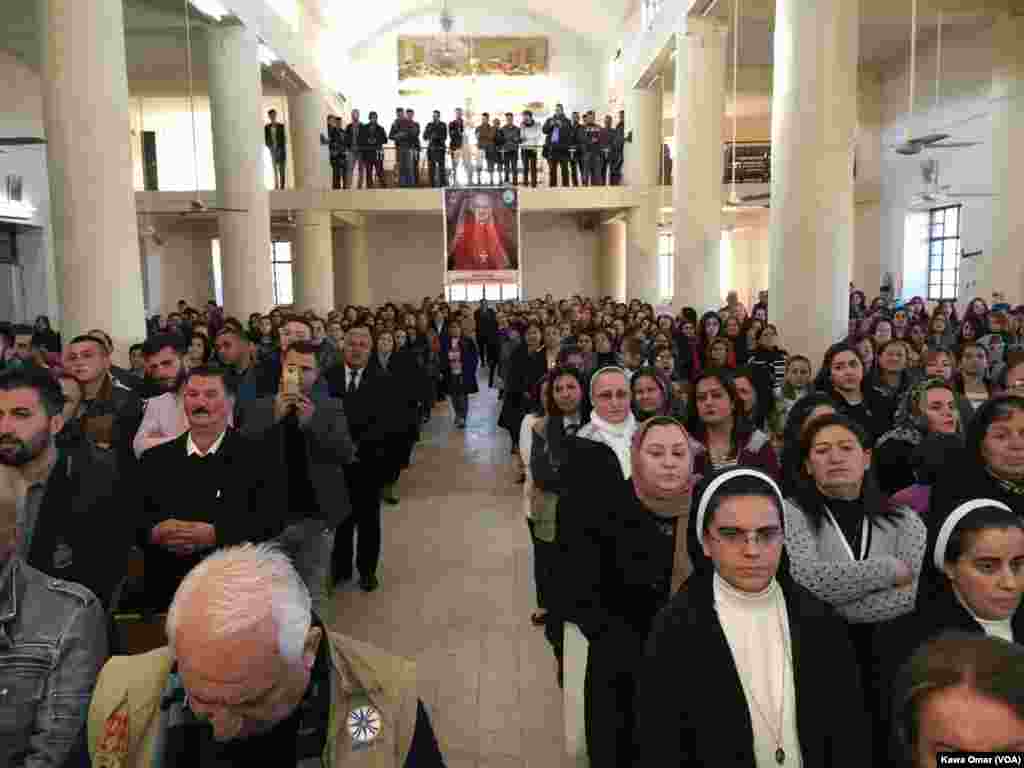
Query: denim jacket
x=53, y=642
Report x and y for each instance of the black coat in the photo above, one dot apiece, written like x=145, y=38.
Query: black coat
x=374, y=418
x=691, y=708
x=84, y=531
x=895, y=641
x=244, y=501
x=970, y=481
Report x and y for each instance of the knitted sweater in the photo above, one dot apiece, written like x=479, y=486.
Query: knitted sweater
x=861, y=591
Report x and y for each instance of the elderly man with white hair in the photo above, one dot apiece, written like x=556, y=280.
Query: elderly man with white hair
x=250, y=676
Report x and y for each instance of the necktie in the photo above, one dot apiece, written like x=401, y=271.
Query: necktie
x=353, y=382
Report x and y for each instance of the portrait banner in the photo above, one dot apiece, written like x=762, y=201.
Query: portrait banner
x=481, y=227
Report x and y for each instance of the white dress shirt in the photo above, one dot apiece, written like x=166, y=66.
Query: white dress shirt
x=191, y=448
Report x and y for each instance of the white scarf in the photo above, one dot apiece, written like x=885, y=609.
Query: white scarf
x=618, y=437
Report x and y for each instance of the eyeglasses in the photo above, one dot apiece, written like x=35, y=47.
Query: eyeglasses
x=763, y=537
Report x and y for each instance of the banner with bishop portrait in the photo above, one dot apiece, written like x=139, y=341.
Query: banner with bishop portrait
x=481, y=234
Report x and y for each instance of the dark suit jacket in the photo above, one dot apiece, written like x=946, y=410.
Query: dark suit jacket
x=690, y=705
x=84, y=532
x=328, y=445
x=268, y=134
x=374, y=417
x=246, y=503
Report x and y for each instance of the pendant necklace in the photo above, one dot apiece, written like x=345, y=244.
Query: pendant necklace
x=780, y=753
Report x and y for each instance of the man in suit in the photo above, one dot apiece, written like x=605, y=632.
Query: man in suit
x=311, y=434
x=211, y=487
x=64, y=491
x=273, y=137
x=366, y=391
x=487, y=333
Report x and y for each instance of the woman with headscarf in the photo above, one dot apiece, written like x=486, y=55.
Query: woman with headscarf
x=652, y=394
x=930, y=408
x=772, y=679
x=612, y=423
x=621, y=564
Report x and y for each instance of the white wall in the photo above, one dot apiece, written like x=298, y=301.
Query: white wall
x=181, y=268
x=22, y=115
x=407, y=256
x=965, y=113
x=574, y=69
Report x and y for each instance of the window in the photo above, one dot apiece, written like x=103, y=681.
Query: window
x=649, y=12
x=281, y=261
x=943, y=252
x=666, y=271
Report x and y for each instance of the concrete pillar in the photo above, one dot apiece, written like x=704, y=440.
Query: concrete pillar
x=697, y=168
x=811, y=222
x=613, y=260
x=642, y=160
x=353, y=266
x=1004, y=268
x=312, y=249
x=236, y=93
x=313, y=262
x=85, y=105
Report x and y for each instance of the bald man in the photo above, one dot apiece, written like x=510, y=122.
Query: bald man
x=250, y=676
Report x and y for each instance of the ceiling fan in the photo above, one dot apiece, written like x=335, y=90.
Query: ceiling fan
x=195, y=206
x=743, y=201
x=915, y=145
x=935, y=194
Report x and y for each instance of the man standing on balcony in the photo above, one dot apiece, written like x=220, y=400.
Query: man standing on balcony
x=617, y=151
x=575, y=148
x=558, y=132
x=399, y=134
x=371, y=142
x=510, y=139
x=436, y=133
x=414, y=145
x=458, y=147
x=532, y=139
x=588, y=137
x=273, y=137
x=354, y=161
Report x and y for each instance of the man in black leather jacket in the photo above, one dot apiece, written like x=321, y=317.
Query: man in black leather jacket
x=558, y=132
x=436, y=133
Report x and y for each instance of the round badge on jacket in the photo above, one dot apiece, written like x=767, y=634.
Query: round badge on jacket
x=364, y=725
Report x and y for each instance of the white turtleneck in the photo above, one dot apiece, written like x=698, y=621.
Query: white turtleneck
x=757, y=629
x=1001, y=628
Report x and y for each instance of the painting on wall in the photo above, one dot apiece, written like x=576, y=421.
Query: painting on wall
x=481, y=234
x=421, y=56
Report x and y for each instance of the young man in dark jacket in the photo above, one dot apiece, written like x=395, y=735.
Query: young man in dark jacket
x=436, y=133
x=372, y=139
x=558, y=139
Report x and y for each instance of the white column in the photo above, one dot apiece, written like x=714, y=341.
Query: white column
x=613, y=259
x=306, y=114
x=1004, y=270
x=236, y=92
x=698, y=162
x=814, y=118
x=313, y=262
x=312, y=249
x=85, y=109
x=354, y=267
x=644, y=119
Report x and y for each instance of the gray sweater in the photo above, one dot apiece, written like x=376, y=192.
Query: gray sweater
x=861, y=591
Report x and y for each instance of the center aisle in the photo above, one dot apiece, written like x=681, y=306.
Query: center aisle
x=456, y=592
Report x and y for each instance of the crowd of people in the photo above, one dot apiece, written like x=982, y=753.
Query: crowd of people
x=577, y=151
x=840, y=549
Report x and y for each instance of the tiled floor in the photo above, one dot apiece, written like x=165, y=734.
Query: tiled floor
x=456, y=594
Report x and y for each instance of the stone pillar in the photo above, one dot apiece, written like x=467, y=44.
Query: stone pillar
x=1004, y=268
x=353, y=267
x=85, y=105
x=811, y=222
x=613, y=259
x=236, y=93
x=312, y=249
x=697, y=168
x=313, y=262
x=642, y=161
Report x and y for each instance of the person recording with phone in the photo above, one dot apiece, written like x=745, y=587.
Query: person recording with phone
x=308, y=433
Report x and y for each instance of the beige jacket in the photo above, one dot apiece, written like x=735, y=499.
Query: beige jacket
x=124, y=715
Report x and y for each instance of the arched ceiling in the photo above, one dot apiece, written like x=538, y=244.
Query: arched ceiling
x=352, y=25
